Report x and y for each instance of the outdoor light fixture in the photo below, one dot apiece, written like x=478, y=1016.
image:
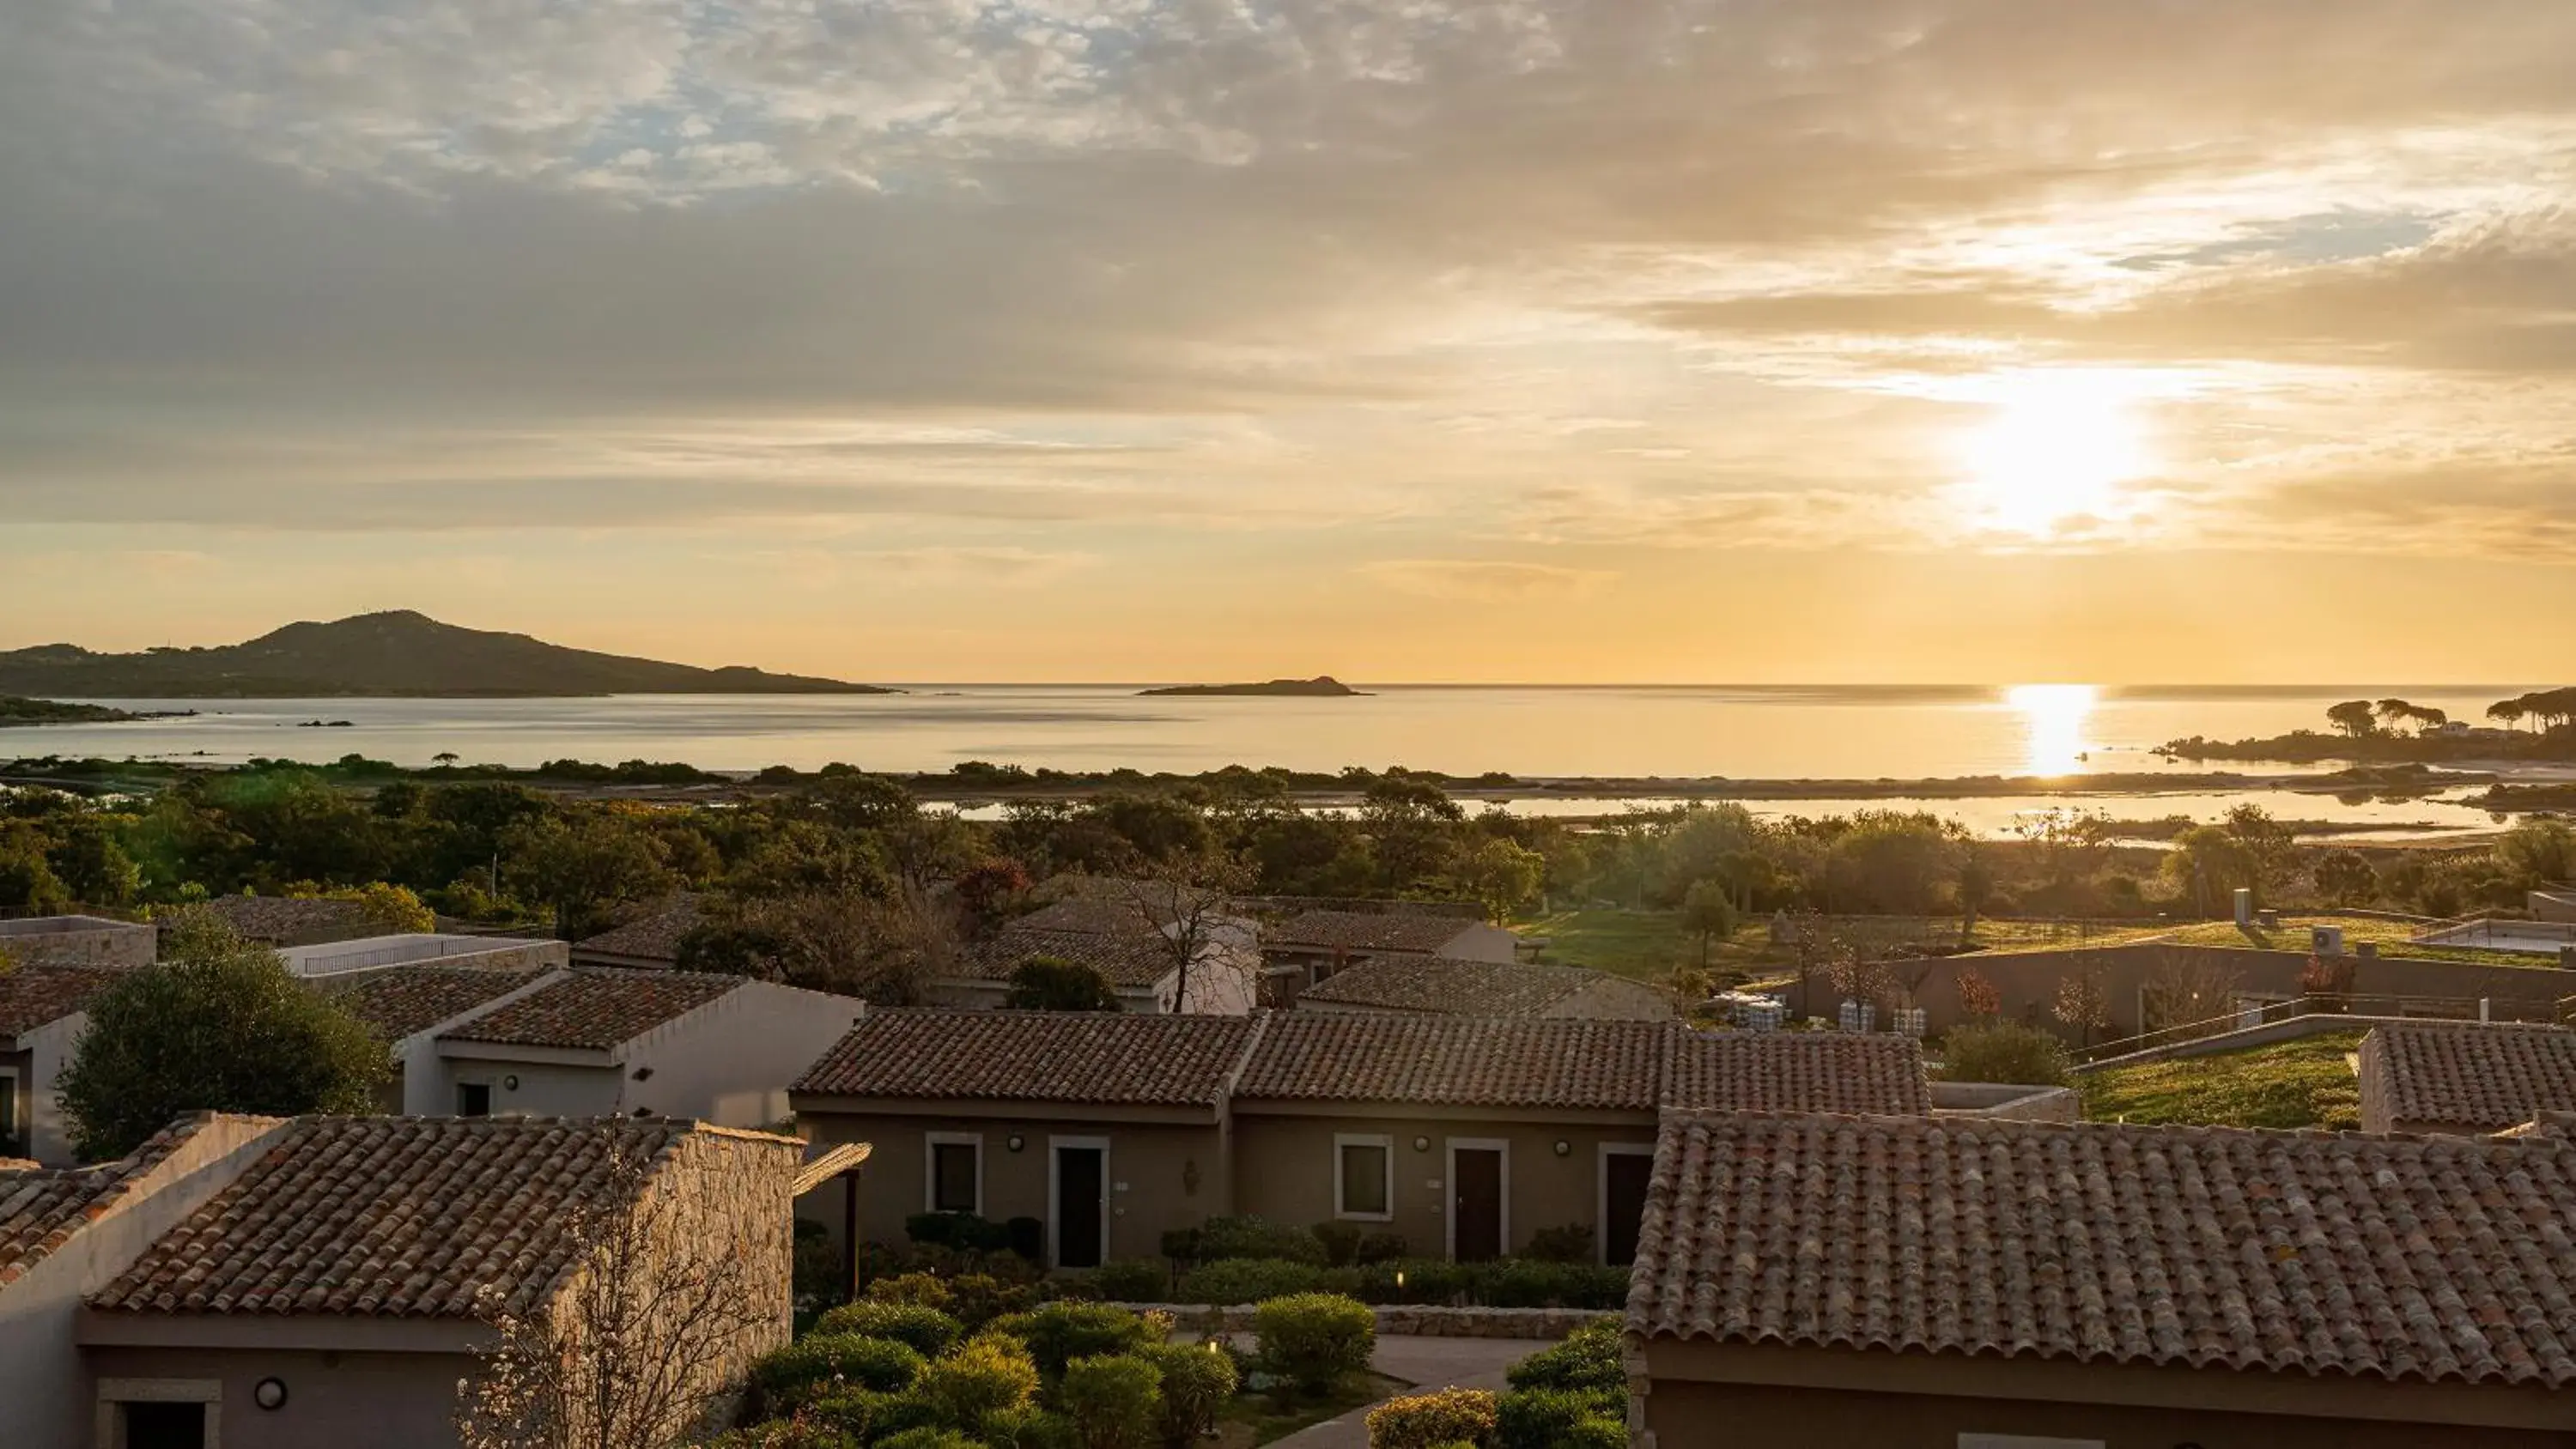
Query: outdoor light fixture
x=510, y=1083
x=1421, y=1144
x=269, y=1394
x=1563, y=1147
x=1015, y=1142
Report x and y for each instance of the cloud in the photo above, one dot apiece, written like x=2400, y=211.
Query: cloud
x=1483, y=580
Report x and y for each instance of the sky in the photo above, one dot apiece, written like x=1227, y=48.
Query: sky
x=1710, y=340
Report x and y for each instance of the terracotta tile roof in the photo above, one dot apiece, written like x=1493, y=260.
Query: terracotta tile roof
x=41, y=1209
x=1798, y=1071
x=599, y=1007
x=1460, y=988
x=2387, y=1257
x=1368, y=931
x=651, y=937
x=1103, y=1057
x=1136, y=959
x=1546, y=1062
x=2472, y=1075
x=407, y=999
x=390, y=1217
x=1096, y=915
x=275, y=918
x=31, y=996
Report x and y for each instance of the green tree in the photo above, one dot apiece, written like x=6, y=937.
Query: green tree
x=2206, y=865
x=2355, y=717
x=587, y=868
x=1503, y=875
x=1051, y=983
x=220, y=1025
x=2345, y=878
x=1708, y=914
x=27, y=879
x=2267, y=845
x=2538, y=853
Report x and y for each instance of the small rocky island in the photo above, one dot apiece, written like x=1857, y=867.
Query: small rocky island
x=1322, y=686
x=17, y=711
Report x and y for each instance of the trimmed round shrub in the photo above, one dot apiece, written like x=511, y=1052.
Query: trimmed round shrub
x=1588, y=1360
x=1314, y=1340
x=783, y=1434
x=1133, y=1280
x=927, y=1290
x=867, y=1416
x=1114, y=1400
x=1550, y=1418
x=828, y=1362
x=929, y=1437
x=1249, y=1237
x=1198, y=1380
x=1249, y=1280
x=1598, y=1432
x=1029, y=1427
x=926, y=1331
x=1427, y=1421
x=1058, y=1333
x=1570, y=1243
x=977, y=1380
x=1380, y=1247
x=976, y=1299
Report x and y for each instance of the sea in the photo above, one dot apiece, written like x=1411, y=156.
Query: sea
x=1760, y=732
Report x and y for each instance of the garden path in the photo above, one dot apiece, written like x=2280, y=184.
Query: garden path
x=1428, y=1364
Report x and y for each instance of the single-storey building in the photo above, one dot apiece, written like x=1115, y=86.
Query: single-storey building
x=291, y=920
x=650, y=940
x=1465, y=1136
x=1929, y=1283
x=1139, y=958
x=408, y=1006
x=43, y=1011
x=2464, y=1078
x=376, y=953
x=1447, y=986
x=603, y=1042
x=329, y=1285
x=1318, y=944
x=78, y=941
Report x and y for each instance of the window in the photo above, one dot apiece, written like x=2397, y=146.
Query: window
x=474, y=1099
x=1364, y=1177
x=956, y=1173
x=9, y=1145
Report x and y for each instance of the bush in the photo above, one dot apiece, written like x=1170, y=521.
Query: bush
x=1029, y=1427
x=1134, y=1280
x=1198, y=1379
x=1114, y=1400
x=926, y=1331
x=963, y=1232
x=1380, y=1247
x=1026, y=1238
x=1427, y=1421
x=783, y=1434
x=1587, y=1361
x=1314, y=1340
x=1525, y=1283
x=978, y=1379
x=976, y=1299
x=827, y=1362
x=1221, y=1238
x=1597, y=1432
x=929, y=1437
x=867, y=1416
x=1425, y=1280
x=1571, y=1243
x=1248, y=1280
x=928, y=1290
x=1059, y=1333
x=1549, y=1418
x=1051, y=983
x=2004, y=1051
x=1341, y=1242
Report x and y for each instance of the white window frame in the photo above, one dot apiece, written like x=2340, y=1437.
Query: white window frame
x=1601, y=1193
x=1449, y=1187
x=115, y=1394
x=931, y=1142
x=1055, y=1196
x=1385, y=1143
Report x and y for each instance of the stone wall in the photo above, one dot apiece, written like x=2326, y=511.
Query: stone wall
x=1401, y=1320
x=78, y=941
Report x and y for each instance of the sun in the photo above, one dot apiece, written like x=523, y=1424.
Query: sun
x=2054, y=719
x=2059, y=450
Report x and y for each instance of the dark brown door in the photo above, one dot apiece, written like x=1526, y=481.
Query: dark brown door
x=165, y=1426
x=1079, y=1177
x=1477, y=1200
x=1623, y=1204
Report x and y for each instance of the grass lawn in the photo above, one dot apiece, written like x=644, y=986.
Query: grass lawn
x=1647, y=945
x=2390, y=936
x=2305, y=1083
x=1252, y=1419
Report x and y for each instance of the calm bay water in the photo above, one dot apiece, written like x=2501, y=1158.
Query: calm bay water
x=1741, y=732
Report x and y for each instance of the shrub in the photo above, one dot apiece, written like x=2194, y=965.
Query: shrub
x=1588, y=1360
x=1313, y=1340
x=1525, y=1283
x=1424, y=1280
x=1247, y=1237
x=2004, y=1051
x=783, y=1434
x=1341, y=1242
x=926, y=1331
x=1051, y=983
x=867, y=1416
x=976, y=1299
x=1114, y=1400
x=1549, y=1418
x=1134, y=1280
x=826, y=1362
x=1029, y=1427
x=1198, y=1379
x=1026, y=1238
x=1571, y=1243
x=1380, y=1247
x=978, y=1379
x=1059, y=1333
x=929, y=1437
x=1248, y=1280
x=964, y=1232
x=1426, y=1421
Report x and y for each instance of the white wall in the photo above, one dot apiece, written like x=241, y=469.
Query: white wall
x=546, y=1089
x=427, y=1089
x=729, y=1061
x=50, y=1049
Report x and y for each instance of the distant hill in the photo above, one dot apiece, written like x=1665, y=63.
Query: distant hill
x=1322, y=686
x=15, y=711
x=396, y=653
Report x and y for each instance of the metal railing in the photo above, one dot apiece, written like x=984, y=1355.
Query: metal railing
x=2266, y=1013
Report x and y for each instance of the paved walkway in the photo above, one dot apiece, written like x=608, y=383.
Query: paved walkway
x=1429, y=1364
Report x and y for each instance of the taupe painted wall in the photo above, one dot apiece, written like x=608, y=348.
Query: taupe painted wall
x=37, y=1068
x=1728, y=1416
x=1149, y=1172
x=1284, y=1171
x=334, y=1401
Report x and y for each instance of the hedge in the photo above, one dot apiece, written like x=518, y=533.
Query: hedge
x=926, y=1331
x=1314, y=1340
x=1427, y=1421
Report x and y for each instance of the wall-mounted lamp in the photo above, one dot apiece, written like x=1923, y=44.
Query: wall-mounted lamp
x=1563, y=1147
x=1015, y=1142
x=269, y=1394
x=510, y=1083
x=1421, y=1144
